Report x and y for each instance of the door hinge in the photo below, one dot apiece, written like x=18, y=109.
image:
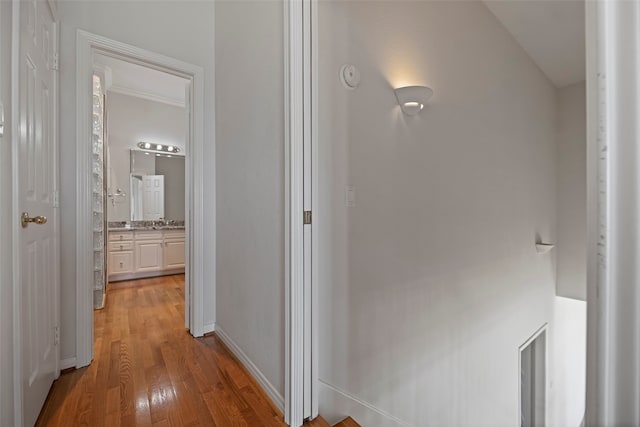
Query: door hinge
x=55, y=61
x=56, y=335
x=56, y=199
x=307, y=217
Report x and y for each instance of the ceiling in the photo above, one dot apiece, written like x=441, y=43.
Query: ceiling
x=552, y=32
x=143, y=82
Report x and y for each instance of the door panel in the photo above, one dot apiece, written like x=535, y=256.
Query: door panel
x=35, y=188
x=148, y=256
x=174, y=254
x=153, y=199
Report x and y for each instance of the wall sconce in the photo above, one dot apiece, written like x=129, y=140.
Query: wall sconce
x=161, y=148
x=413, y=98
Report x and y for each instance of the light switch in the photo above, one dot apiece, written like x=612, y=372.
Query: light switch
x=1, y=119
x=349, y=196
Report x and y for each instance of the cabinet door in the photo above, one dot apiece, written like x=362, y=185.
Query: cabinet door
x=149, y=255
x=120, y=262
x=174, y=253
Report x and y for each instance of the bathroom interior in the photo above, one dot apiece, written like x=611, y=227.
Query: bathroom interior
x=139, y=127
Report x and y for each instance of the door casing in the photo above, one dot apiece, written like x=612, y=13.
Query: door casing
x=88, y=44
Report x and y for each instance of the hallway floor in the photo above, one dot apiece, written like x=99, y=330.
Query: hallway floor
x=147, y=369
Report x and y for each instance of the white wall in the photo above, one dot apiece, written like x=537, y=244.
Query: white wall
x=179, y=29
x=250, y=177
x=570, y=354
x=572, y=192
x=430, y=284
x=6, y=225
x=131, y=120
x=173, y=170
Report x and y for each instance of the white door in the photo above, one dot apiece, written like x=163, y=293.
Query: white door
x=36, y=185
x=153, y=196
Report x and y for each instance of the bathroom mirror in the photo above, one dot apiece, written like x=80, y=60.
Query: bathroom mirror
x=156, y=188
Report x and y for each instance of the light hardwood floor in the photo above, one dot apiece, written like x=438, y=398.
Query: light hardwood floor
x=148, y=370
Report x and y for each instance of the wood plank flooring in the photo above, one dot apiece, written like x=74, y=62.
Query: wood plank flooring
x=149, y=371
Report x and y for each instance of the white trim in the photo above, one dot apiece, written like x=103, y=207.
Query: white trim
x=268, y=388
x=294, y=228
x=15, y=210
x=613, y=307
x=316, y=225
x=56, y=187
x=67, y=363
x=341, y=404
x=592, y=89
x=146, y=95
x=547, y=391
x=87, y=44
x=118, y=277
x=207, y=328
x=84, y=234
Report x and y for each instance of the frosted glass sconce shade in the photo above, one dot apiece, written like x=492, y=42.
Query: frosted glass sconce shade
x=412, y=99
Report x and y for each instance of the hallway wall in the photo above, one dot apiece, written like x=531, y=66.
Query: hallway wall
x=431, y=282
x=179, y=29
x=6, y=226
x=571, y=139
x=250, y=177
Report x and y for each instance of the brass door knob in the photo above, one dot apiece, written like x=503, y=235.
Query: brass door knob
x=25, y=219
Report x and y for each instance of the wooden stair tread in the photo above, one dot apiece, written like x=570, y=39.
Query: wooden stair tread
x=347, y=422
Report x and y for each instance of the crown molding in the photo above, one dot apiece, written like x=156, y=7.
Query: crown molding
x=123, y=90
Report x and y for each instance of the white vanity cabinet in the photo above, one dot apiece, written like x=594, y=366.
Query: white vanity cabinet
x=174, y=250
x=120, y=248
x=145, y=253
x=148, y=250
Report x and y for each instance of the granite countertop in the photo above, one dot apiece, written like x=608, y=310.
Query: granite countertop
x=147, y=227
x=144, y=225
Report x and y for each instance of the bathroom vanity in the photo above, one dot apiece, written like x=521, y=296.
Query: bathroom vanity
x=138, y=252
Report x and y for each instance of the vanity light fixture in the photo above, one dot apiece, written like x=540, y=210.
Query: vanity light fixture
x=158, y=148
x=413, y=98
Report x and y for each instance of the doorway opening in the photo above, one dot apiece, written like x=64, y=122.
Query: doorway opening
x=139, y=125
x=140, y=188
x=533, y=366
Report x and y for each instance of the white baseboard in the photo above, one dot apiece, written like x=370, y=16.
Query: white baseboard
x=268, y=388
x=208, y=328
x=68, y=363
x=335, y=405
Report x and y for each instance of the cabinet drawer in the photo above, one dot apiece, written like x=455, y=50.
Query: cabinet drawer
x=121, y=246
x=149, y=235
x=174, y=234
x=120, y=235
x=120, y=262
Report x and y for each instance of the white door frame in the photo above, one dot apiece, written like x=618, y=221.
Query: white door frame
x=613, y=345
x=15, y=202
x=87, y=45
x=301, y=85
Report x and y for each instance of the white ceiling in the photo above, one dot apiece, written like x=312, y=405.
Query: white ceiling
x=552, y=33
x=143, y=82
